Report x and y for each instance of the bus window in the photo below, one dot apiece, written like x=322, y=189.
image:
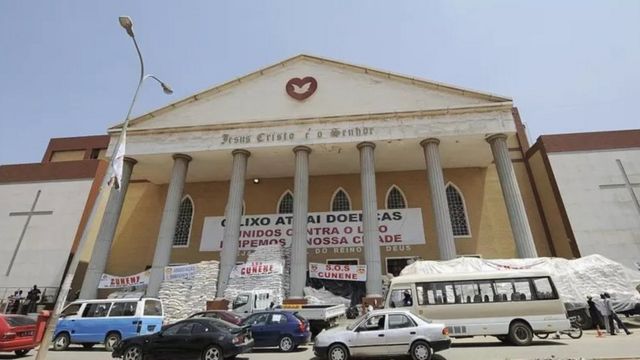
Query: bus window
x=401, y=298
x=503, y=290
x=467, y=292
x=543, y=289
x=486, y=291
x=435, y=293
x=522, y=290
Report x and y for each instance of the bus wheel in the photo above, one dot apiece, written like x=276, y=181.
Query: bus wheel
x=520, y=333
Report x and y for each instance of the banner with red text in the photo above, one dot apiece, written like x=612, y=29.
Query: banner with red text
x=257, y=268
x=325, y=229
x=338, y=272
x=116, y=282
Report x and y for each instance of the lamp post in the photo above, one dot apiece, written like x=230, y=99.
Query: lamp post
x=43, y=350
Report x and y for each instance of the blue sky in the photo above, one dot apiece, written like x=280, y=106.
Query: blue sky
x=68, y=69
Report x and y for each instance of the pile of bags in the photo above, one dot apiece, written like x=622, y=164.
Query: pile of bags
x=574, y=279
x=324, y=297
x=277, y=283
x=185, y=295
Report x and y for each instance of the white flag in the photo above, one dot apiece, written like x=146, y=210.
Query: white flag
x=117, y=163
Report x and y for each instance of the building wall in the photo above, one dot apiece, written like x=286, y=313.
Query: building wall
x=604, y=221
x=490, y=237
x=48, y=240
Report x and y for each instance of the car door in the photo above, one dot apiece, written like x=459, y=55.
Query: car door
x=277, y=326
x=368, y=339
x=171, y=343
x=259, y=329
x=400, y=331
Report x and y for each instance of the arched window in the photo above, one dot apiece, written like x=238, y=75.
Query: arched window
x=340, y=201
x=183, y=226
x=457, y=211
x=395, y=198
x=285, y=205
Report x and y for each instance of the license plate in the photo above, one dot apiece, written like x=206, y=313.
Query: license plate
x=26, y=333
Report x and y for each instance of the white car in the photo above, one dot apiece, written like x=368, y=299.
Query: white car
x=391, y=332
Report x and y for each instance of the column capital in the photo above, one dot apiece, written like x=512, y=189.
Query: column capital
x=366, y=144
x=491, y=138
x=241, y=151
x=302, y=148
x=427, y=141
x=132, y=161
x=182, y=156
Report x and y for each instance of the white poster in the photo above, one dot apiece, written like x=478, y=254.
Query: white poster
x=179, y=272
x=116, y=282
x=338, y=272
x=257, y=268
x=325, y=229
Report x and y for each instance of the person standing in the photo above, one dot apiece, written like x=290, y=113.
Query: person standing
x=596, y=317
x=613, y=316
x=17, y=303
x=33, y=296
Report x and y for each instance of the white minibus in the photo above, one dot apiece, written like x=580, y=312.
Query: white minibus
x=511, y=305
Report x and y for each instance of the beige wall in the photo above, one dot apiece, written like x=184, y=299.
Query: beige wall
x=67, y=155
x=490, y=231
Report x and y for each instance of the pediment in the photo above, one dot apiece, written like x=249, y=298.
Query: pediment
x=340, y=90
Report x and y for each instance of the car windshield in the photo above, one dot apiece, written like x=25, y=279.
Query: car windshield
x=17, y=320
x=422, y=318
x=356, y=322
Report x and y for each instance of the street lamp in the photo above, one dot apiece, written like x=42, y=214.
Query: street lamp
x=127, y=24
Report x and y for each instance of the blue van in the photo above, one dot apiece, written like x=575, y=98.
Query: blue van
x=89, y=322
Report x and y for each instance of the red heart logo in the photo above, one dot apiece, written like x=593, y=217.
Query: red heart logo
x=301, y=89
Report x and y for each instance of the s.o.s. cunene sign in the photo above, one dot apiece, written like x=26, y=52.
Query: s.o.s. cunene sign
x=338, y=272
x=325, y=229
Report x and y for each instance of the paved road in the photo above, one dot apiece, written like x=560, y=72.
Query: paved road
x=589, y=347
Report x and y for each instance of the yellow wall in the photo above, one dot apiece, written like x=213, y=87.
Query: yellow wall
x=491, y=233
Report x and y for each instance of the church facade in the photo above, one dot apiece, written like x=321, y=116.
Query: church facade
x=342, y=164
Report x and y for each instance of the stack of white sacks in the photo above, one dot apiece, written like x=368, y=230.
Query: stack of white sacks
x=277, y=284
x=185, y=296
x=324, y=297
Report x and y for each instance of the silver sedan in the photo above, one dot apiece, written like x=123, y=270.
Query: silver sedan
x=388, y=332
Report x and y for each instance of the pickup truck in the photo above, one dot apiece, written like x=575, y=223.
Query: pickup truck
x=319, y=316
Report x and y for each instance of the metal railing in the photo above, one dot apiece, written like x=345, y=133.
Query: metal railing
x=47, y=296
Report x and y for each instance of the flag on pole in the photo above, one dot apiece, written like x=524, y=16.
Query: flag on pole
x=118, y=162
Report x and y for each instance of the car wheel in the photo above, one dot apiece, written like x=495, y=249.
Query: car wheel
x=133, y=352
x=61, y=342
x=88, y=345
x=111, y=341
x=520, y=333
x=420, y=350
x=286, y=344
x=22, y=352
x=212, y=353
x=338, y=352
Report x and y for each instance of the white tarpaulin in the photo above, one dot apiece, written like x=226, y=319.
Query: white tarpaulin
x=117, y=282
x=574, y=279
x=325, y=229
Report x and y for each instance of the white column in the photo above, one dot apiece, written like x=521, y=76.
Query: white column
x=439, y=203
x=298, y=273
x=233, y=216
x=162, y=255
x=106, y=233
x=512, y=197
x=370, y=219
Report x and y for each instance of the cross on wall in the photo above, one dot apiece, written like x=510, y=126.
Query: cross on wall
x=28, y=214
x=627, y=184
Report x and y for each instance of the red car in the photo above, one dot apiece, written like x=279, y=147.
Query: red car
x=17, y=334
x=223, y=315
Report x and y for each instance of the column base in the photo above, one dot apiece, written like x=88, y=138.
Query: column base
x=218, y=304
x=376, y=301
